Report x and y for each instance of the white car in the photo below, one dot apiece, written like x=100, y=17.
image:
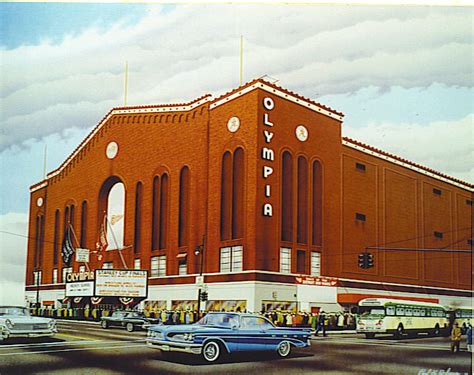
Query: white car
x=16, y=321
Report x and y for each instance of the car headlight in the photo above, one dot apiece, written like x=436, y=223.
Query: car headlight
x=52, y=323
x=9, y=324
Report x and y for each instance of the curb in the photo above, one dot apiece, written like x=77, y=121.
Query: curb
x=78, y=321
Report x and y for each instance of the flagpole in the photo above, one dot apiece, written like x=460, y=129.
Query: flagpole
x=241, y=58
x=116, y=243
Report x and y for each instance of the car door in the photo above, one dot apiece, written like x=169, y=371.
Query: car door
x=253, y=333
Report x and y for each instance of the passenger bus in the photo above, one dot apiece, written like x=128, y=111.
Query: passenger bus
x=463, y=316
x=399, y=317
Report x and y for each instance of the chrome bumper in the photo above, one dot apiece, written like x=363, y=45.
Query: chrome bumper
x=6, y=334
x=169, y=346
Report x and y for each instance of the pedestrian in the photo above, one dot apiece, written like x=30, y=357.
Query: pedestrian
x=456, y=334
x=469, y=338
x=289, y=320
x=321, y=326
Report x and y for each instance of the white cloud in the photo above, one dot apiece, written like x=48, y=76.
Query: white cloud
x=445, y=146
x=178, y=55
x=13, y=232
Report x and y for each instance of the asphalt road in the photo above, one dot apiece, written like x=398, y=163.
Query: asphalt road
x=86, y=348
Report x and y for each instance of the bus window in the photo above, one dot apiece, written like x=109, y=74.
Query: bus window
x=416, y=312
x=423, y=312
x=409, y=312
x=390, y=310
x=400, y=311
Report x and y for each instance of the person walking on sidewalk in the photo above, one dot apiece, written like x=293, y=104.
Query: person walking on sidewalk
x=456, y=334
x=469, y=338
x=321, y=326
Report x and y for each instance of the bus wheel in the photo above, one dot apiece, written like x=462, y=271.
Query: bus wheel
x=369, y=335
x=400, y=331
x=436, y=331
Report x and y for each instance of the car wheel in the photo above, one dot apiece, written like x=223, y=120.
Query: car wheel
x=436, y=331
x=369, y=335
x=284, y=349
x=104, y=324
x=211, y=351
x=130, y=327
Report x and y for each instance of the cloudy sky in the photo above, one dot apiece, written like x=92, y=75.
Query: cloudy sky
x=403, y=76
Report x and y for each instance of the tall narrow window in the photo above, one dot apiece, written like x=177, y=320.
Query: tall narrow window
x=302, y=211
x=238, y=194
x=67, y=270
x=57, y=241
x=183, y=207
x=55, y=276
x=67, y=221
x=301, y=261
x=164, y=212
x=285, y=260
x=287, y=197
x=315, y=263
x=138, y=217
x=155, y=225
x=317, y=234
x=115, y=216
x=137, y=264
x=82, y=238
x=71, y=215
x=226, y=194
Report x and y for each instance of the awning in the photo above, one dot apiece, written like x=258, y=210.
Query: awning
x=182, y=255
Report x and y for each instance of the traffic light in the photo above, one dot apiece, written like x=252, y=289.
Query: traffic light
x=363, y=260
x=366, y=260
x=203, y=296
x=370, y=260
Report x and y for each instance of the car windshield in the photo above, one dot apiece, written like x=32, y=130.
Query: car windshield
x=219, y=320
x=18, y=311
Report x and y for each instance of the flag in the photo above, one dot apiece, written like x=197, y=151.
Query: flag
x=115, y=219
x=67, y=248
x=102, y=243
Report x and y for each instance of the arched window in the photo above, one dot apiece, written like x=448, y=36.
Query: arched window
x=184, y=182
x=160, y=207
x=226, y=196
x=302, y=209
x=155, y=215
x=57, y=241
x=116, y=216
x=39, y=237
x=317, y=234
x=138, y=217
x=287, y=197
x=238, y=194
x=82, y=239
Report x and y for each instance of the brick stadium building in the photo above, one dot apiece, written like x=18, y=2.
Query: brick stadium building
x=263, y=179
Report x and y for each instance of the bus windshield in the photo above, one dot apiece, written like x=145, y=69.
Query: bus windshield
x=366, y=310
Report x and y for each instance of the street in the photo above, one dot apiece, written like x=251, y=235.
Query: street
x=86, y=348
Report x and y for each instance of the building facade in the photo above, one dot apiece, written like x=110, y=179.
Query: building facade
x=278, y=203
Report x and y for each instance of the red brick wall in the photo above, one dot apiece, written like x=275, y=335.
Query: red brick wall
x=403, y=211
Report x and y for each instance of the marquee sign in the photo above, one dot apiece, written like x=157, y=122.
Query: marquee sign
x=316, y=280
x=79, y=284
x=121, y=283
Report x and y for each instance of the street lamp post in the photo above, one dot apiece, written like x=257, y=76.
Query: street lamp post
x=200, y=252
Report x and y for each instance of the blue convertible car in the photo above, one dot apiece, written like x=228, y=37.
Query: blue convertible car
x=220, y=333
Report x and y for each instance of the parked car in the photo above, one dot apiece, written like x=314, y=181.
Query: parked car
x=130, y=320
x=15, y=321
x=222, y=333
